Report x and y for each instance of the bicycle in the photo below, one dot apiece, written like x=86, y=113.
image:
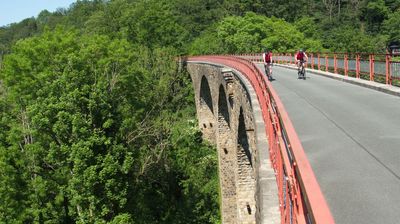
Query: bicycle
x=268, y=71
x=301, y=74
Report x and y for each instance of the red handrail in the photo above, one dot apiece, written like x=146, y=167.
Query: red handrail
x=301, y=199
x=368, y=66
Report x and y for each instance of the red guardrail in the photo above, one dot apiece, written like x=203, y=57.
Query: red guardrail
x=301, y=199
x=373, y=67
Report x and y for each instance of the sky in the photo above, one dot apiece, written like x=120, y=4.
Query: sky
x=12, y=11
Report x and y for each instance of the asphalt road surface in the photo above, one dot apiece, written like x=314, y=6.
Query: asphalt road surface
x=351, y=136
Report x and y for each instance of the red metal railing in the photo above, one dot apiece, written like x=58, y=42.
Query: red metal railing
x=373, y=67
x=301, y=200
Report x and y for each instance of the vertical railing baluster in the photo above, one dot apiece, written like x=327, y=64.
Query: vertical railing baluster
x=312, y=61
x=371, y=67
x=326, y=63
x=335, y=63
x=357, y=66
x=319, y=63
x=346, y=65
x=388, y=64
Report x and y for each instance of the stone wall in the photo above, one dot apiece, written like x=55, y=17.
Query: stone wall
x=224, y=104
x=226, y=119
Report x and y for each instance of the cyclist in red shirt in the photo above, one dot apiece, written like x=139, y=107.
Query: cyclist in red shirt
x=267, y=60
x=301, y=58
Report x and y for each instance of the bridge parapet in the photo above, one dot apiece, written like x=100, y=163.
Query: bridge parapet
x=300, y=198
x=373, y=67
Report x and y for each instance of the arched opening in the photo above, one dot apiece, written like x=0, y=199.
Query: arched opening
x=243, y=141
x=227, y=160
x=205, y=111
x=205, y=94
x=245, y=174
x=223, y=111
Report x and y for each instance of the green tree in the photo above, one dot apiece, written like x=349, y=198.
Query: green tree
x=155, y=25
x=196, y=15
x=308, y=27
x=391, y=26
x=393, y=4
x=253, y=33
x=88, y=134
x=374, y=13
x=50, y=20
x=207, y=43
x=348, y=39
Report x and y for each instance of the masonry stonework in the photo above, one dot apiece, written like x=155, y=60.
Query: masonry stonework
x=225, y=117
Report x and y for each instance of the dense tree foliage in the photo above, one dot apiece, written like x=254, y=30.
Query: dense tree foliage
x=251, y=33
x=100, y=130
x=97, y=123
x=186, y=24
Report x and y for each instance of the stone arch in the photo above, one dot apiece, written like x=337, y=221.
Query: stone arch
x=226, y=145
x=205, y=94
x=223, y=110
x=206, y=111
x=225, y=97
x=245, y=173
x=243, y=140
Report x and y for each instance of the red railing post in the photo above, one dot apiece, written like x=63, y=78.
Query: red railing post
x=335, y=63
x=319, y=63
x=357, y=66
x=326, y=63
x=371, y=67
x=388, y=77
x=312, y=61
x=346, y=65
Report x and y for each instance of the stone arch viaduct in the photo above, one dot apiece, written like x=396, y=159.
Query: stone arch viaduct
x=226, y=118
x=349, y=129
x=256, y=185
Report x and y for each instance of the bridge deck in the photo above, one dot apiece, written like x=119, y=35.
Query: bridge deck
x=351, y=136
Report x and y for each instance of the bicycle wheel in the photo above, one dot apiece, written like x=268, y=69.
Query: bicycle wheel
x=267, y=72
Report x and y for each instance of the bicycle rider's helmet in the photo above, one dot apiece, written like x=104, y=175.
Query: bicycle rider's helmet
x=301, y=50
